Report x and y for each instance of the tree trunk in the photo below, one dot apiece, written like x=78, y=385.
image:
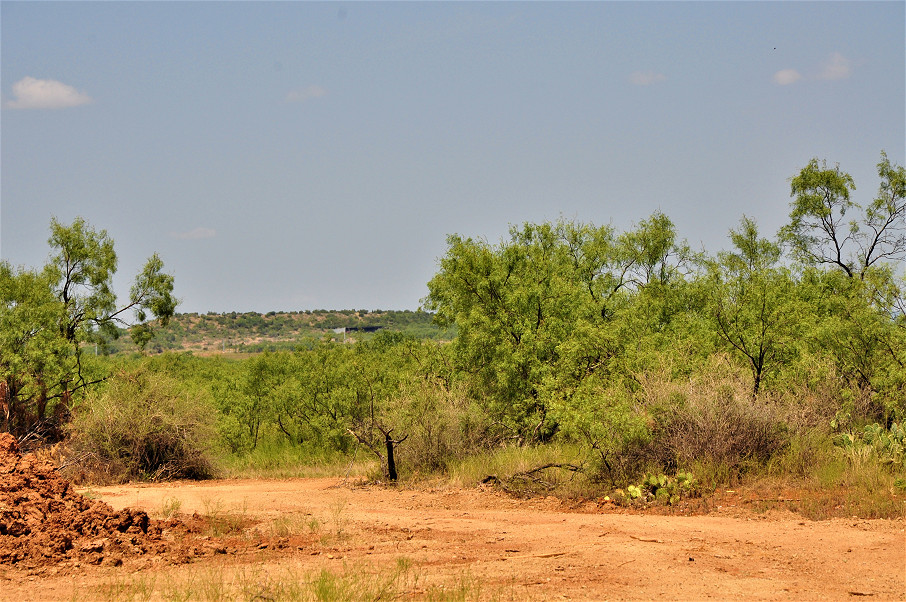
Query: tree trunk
x=391, y=463
x=5, y=407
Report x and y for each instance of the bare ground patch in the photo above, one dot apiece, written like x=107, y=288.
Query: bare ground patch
x=511, y=549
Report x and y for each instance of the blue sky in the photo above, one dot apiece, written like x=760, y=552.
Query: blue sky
x=294, y=155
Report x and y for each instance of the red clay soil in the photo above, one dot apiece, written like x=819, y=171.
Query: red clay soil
x=44, y=521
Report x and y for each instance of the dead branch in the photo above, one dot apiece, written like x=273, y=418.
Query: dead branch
x=78, y=460
x=529, y=473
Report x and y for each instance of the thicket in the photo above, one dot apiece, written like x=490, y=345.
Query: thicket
x=145, y=425
x=630, y=350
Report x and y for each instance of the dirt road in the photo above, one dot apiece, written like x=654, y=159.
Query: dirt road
x=518, y=549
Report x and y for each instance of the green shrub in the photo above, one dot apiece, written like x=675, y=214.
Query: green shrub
x=442, y=427
x=711, y=420
x=143, y=426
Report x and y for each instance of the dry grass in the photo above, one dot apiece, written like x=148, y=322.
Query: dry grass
x=352, y=583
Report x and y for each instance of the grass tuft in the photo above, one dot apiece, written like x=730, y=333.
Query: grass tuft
x=353, y=583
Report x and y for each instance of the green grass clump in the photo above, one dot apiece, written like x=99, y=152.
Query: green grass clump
x=221, y=521
x=170, y=507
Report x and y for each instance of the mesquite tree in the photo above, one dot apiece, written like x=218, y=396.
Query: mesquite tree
x=48, y=315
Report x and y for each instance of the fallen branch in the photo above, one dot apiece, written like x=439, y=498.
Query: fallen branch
x=548, y=555
x=779, y=499
x=513, y=480
x=569, y=467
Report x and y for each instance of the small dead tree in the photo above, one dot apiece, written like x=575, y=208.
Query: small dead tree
x=387, y=457
x=364, y=433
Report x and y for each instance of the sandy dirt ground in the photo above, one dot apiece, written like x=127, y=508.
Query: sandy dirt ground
x=516, y=549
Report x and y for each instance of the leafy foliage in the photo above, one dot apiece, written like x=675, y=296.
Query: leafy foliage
x=48, y=315
x=887, y=445
x=537, y=315
x=818, y=232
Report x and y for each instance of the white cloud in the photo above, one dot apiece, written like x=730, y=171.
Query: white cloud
x=305, y=94
x=785, y=77
x=32, y=93
x=836, y=67
x=646, y=78
x=195, y=234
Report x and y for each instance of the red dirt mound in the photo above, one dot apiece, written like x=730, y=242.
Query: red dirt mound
x=44, y=521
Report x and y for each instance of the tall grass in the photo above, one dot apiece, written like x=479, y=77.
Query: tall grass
x=278, y=459
x=512, y=468
x=836, y=481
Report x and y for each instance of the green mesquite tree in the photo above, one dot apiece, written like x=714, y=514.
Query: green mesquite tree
x=755, y=301
x=858, y=330
x=48, y=315
x=539, y=313
x=819, y=233
x=514, y=304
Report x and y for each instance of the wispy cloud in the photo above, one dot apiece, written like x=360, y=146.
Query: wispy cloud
x=785, y=77
x=32, y=93
x=646, y=78
x=195, y=234
x=305, y=94
x=836, y=67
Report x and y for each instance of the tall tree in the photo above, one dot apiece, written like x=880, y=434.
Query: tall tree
x=820, y=233
x=48, y=316
x=535, y=315
x=856, y=324
x=754, y=301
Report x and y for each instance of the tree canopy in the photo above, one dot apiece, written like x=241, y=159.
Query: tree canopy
x=48, y=315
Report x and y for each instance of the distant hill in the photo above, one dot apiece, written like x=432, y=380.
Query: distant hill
x=253, y=332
